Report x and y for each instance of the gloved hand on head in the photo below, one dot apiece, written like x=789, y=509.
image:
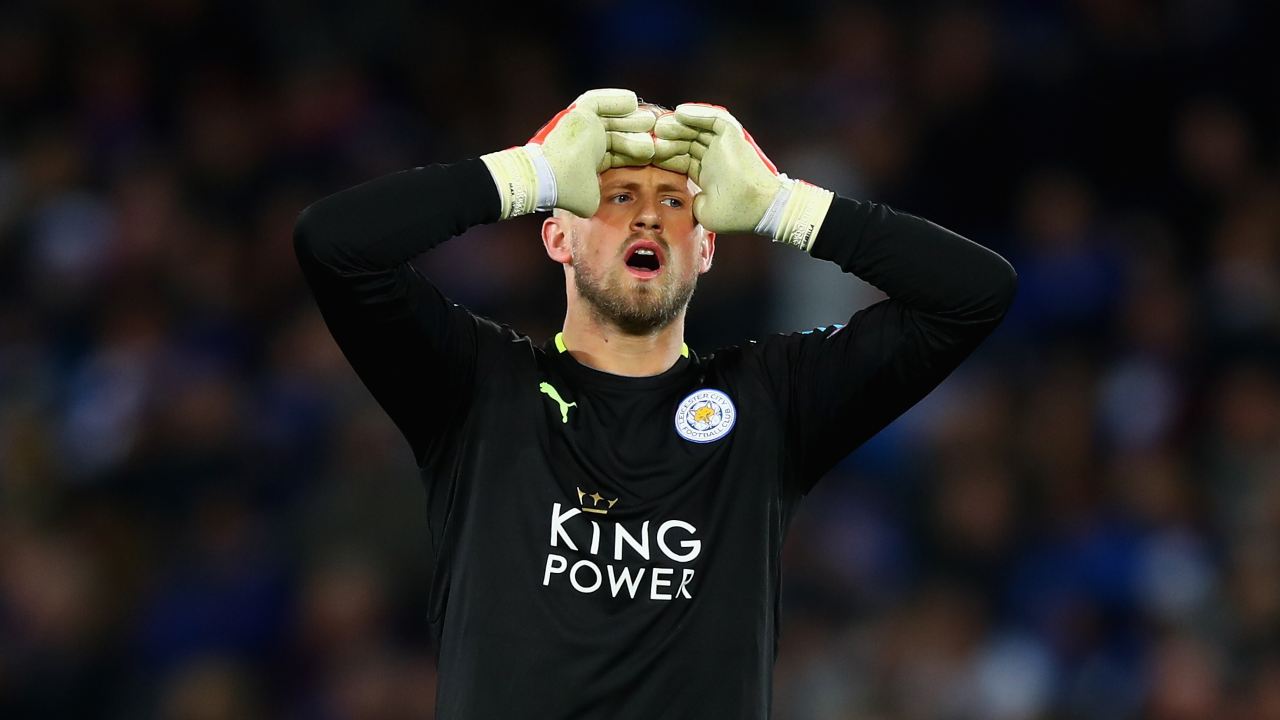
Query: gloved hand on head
x=742, y=191
x=560, y=165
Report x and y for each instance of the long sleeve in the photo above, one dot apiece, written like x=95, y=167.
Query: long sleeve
x=411, y=347
x=841, y=385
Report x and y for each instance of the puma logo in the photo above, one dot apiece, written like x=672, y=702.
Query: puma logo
x=546, y=389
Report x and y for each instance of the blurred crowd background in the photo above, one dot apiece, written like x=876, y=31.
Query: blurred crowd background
x=204, y=516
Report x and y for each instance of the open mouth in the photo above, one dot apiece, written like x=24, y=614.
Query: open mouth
x=644, y=259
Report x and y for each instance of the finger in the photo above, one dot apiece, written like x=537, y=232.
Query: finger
x=697, y=150
x=699, y=206
x=663, y=149
x=620, y=160
x=668, y=127
x=675, y=163
x=695, y=169
x=686, y=133
x=706, y=117
x=609, y=102
x=640, y=121
x=636, y=145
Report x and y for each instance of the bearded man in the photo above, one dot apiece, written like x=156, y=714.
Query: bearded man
x=607, y=509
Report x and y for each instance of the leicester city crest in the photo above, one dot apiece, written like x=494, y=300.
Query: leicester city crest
x=705, y=416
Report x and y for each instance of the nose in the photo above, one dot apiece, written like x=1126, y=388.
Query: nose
x=647, y=216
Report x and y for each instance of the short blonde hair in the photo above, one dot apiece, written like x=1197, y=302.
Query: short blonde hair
x=654, y=108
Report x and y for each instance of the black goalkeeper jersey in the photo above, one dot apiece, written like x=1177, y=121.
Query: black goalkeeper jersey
x=606, y=546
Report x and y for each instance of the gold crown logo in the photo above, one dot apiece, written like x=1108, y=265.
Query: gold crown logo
x=596, y=499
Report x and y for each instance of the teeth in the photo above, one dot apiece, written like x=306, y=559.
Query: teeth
x=644, y=251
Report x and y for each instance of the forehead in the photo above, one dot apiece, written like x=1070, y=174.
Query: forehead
x=647, y=176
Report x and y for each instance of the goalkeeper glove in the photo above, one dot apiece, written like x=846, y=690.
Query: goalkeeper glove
x=742, y=190
x=559, y=167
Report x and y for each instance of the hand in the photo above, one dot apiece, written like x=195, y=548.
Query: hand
x=561, y=163
x=742, y=190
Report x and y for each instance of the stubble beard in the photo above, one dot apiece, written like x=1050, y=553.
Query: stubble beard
x=643, y=309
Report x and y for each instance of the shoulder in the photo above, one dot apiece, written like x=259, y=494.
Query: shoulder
x=769, y=350
x=499, y=342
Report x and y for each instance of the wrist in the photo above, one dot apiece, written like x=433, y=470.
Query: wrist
x=524, y=179
x=796, y=213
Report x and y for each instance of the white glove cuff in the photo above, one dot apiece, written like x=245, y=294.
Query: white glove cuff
x=802, y=214
x=768, y=225
x=516, y=176
x=546, y=199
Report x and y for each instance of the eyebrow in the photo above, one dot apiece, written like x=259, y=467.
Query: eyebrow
x=661, y=187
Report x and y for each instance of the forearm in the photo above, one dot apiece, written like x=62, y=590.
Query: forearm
x=384, y=222
x=946, y=294
x=925, y=267
x=400, y=334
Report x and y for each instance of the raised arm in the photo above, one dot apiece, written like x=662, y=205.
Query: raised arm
x=413, y=349
x=838, y=386
x=946, y=294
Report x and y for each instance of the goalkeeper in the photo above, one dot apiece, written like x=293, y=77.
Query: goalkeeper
x=607, y=509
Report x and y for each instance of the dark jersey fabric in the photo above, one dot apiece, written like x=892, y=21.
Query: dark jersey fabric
x=590, y=560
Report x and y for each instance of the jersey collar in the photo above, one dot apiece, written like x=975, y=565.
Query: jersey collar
x=684, y=347
x=675, y=375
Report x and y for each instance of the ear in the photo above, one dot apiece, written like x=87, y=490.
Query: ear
x=555, y=238
x=706, y=251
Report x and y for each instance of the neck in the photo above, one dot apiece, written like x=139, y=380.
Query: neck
x=600, y=345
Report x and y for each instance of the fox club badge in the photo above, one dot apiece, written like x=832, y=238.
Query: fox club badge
x=705, y=416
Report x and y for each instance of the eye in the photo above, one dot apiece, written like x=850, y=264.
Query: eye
x=673, y=202
x=619, y=198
